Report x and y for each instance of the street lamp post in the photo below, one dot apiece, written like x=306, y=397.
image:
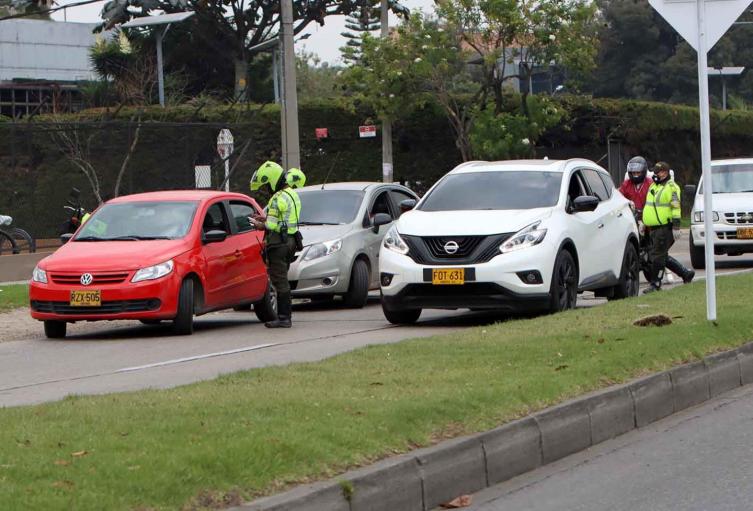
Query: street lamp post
x=162, y=19
x=721, y=72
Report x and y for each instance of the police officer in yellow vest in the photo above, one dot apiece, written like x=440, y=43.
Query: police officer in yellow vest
x=661, y=215
x=280, y=226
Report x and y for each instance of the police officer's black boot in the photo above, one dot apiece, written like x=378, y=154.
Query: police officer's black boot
x=675, y=266
x=283, y=313
x=654, y=282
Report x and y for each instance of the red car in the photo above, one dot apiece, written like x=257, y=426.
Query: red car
x=156, y=256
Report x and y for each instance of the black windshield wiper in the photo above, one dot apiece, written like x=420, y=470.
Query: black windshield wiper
x=319, y=223
x=90, y=238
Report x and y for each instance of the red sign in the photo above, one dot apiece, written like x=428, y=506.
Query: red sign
x=321, y=133
x=367, y=131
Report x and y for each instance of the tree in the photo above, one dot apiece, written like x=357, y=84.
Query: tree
x=315, y=79
x=641, y=56
x=232, y=27
x=523, y=35
x=364, y=19
x=423, y=61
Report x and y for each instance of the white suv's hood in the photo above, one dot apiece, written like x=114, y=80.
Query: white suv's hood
x=727, y=202
x=456, y=223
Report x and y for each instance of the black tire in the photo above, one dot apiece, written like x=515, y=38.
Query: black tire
x=7, y=244
x=150, y=321
x=24, y=241
x=358, y=290
x=629, y=284
x=563, y=293
x=55, y=329
x=183, y=322
x=266, y=308
x=401, y=316
x=697, y=255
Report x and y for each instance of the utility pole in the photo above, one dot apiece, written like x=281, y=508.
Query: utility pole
x=291, y=155
x=386, y=123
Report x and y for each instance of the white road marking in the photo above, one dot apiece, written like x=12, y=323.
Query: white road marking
x=195, y=357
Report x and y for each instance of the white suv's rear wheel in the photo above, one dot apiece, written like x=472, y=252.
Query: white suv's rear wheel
x=563, y=293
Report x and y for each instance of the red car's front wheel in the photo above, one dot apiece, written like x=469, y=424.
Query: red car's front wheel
x=183, y=322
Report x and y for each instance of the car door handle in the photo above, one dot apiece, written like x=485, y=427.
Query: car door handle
x=619, y=215
x=600, y=226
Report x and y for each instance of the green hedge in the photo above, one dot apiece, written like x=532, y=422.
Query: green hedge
x=36, y=177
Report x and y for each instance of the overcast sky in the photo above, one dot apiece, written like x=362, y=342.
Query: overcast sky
x=324, y=41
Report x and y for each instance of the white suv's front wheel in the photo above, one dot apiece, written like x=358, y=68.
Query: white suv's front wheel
x=563, y=293
x=400, y=316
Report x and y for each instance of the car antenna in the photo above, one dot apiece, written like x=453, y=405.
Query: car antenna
x=330, y=169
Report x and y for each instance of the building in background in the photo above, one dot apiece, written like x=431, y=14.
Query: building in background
x=42, y=65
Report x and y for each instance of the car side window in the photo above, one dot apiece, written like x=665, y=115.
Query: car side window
x=608, y=184
x=399, y=196
x=596, y=185
x=575, y=188
x=214, y=219
x=240, y=211
x=381, y=205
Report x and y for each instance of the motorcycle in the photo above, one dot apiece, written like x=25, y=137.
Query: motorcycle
x=75, y=213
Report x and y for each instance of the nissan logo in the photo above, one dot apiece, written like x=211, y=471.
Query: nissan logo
x=86, y=279
x=451, y=247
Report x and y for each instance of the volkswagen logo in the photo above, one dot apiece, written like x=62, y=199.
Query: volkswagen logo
x=451, y=247
x=86, y=279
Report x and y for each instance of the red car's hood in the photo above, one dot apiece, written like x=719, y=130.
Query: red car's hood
x=91, y=256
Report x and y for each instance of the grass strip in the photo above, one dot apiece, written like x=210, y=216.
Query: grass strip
x=257, y=431
x=13, y=296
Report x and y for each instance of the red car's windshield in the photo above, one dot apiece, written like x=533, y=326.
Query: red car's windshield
x=139, y=221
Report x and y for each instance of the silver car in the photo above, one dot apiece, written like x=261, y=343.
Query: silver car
x=343, y=225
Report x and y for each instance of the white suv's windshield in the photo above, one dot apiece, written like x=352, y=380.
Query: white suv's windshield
x=736, y=178
x=494, y=190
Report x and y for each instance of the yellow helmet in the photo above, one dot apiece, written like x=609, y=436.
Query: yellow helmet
x=295, y=178
x=268, y=174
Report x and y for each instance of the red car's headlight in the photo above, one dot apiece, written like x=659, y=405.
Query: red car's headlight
x=154, y=272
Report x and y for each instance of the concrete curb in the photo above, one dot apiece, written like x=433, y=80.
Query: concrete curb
x=424, y=479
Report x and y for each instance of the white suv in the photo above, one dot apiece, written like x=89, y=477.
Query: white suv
x=513, y=235
x=732, y=210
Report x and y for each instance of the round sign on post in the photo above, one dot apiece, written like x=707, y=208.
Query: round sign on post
x=225, y=149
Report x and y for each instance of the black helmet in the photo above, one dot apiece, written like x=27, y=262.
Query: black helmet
x=637, y=169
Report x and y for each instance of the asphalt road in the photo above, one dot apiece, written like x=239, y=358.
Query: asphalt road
x=122, y=356
x=697, y=460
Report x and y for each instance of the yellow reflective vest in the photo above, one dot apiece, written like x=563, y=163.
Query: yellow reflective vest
x=662, y=204
x=284, y=207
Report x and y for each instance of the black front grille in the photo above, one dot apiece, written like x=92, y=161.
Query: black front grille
x=470, y=249
x=118, y=307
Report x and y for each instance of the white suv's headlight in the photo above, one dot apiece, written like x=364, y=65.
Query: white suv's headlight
x=154, y=272
x=39, y=275
x=394, y=242
x=524, y=238
x=318, y=250
x=698, y=216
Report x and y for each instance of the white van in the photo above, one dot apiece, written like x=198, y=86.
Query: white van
x=732, y=204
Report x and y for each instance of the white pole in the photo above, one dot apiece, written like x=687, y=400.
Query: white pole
x=291, y=150
x=708, y=227
x=160, y=75
x=227, y=174
x=387, y=167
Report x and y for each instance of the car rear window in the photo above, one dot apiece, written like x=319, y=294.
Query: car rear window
x=325, y=207
x=139, y=220
x=494, y=190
